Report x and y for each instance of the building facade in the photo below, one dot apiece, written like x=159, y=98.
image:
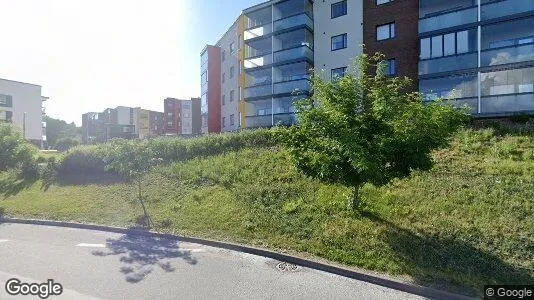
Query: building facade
x=230, y=46
x=210, y=86
x=182, y=117
x=479, y=53
x=22, y=104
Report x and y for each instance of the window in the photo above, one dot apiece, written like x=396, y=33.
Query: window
x=386, y=31
x=223, y=99
x=232, y=47
x=169, y=114
x=231, y=72
x=224, y=77
x=425, y=48
x=449, y=44
x=6, y=100
x=339, y=42
x=186, y=106
x=232, y=95
x=380, y=2
x=437, y=46
x=223, y=55
x=224, y=122
x=232, y=120
x=391, y=67
x=338, y=9
x=169, y=123
x=338, y=73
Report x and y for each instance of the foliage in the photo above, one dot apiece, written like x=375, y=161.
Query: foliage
x=462, y=224
x=365, y=129
x=15, y=152
x=65, y=143
x=94, y=158
x=58, y=129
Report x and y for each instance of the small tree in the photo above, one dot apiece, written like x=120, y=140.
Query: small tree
x=133, y=160
x=365, y=129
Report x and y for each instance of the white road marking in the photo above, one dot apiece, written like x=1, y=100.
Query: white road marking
x=91, y=245
x=3, y=240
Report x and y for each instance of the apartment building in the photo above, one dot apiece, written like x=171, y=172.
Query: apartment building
x=210, y=88
x=22, y=104
x=181, y=117
x=230, y=46
x=121, y=122
x=477, y=52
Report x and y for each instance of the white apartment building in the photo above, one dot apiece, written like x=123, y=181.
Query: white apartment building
x=22, y=104
x=338, y=36
x=230, y=71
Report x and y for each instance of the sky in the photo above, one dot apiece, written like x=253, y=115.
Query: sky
x=89, y=55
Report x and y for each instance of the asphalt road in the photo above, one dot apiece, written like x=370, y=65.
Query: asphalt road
x=100, y=265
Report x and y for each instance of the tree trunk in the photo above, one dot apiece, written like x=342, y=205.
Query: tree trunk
x=355, y=200
x=147, y=217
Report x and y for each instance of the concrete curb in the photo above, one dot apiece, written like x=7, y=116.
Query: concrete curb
x=397, y=285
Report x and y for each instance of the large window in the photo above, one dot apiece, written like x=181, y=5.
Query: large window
x=223, y=99
x=449, y=44
x=232, y=92
x=508, y=82
x=339, y=9
x=337, y=73
x=507, y=34
x=339, y=42
x=232, y=121
x=386, y=31
x=231, y=72
x=460, y=86
x=429, y=8
x=232, y=47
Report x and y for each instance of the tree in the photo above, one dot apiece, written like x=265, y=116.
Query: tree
x=365, y=129
x=65, y=143
x=57, y=129
x=133, y=160
x=15, y=152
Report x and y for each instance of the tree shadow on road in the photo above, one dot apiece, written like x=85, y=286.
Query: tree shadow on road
x=448, y=263
x=139, y=255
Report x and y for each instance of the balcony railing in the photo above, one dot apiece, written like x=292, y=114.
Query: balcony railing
x=270, y=120
x=257, y=31
x=501, y=56
x=295, y=86
x=259, y=121
x=449, y=63
x=258, y=61
x=293, y=53
x=456, y=18
x=297, y=20
x=258, y=91
x=507, y=103
x=505, y=8
x=298, y=86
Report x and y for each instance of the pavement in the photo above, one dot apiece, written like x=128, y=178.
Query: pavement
x=92, y=264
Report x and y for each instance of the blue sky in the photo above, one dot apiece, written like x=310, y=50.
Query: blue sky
x=90, y=55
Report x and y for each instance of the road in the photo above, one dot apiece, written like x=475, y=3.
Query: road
x=101, y=265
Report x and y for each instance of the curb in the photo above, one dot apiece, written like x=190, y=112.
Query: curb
x=388, y=283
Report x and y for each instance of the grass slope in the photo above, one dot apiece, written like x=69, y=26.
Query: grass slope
x=465, y=223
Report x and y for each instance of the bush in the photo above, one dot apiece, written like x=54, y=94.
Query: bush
x=15, y=152
x=95, y=158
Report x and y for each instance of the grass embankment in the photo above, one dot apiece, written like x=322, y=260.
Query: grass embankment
x=465, y=223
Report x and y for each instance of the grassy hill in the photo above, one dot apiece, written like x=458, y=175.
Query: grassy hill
x=465, y=223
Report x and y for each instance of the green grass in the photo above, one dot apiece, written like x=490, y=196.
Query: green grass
x=465, y=223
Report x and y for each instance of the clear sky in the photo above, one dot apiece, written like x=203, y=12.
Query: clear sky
x=92, y=54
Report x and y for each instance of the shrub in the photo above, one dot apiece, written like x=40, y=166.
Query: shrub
x=15, y=152
x=95, y=158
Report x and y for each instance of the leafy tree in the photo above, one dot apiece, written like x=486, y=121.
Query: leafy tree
x=65, y=143
x=365, y=128
x=132, y=160
x=15, y=152
x=57, y=129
